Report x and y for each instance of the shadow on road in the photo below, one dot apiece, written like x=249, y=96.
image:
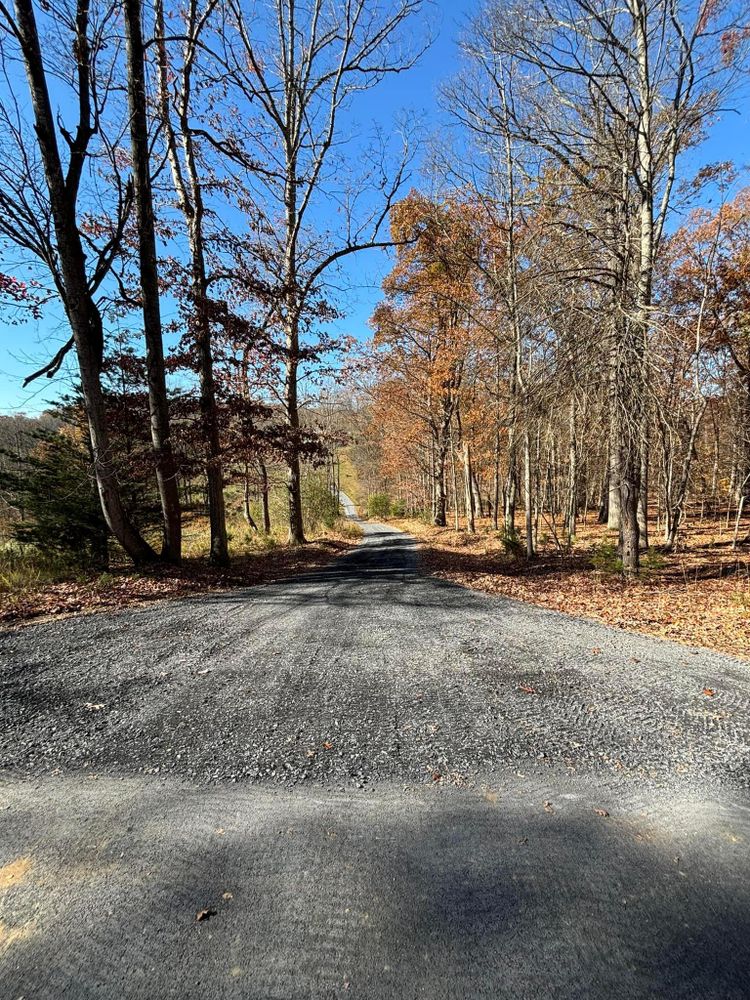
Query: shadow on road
x=442, y=895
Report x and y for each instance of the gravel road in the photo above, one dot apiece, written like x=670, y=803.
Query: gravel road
x=378, y=785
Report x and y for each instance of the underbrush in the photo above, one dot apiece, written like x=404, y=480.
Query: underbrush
x=26, y=570
x=25, y=567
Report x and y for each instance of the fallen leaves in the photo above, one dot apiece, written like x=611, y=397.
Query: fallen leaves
x=709, y=692
x=327, y=745
x=94, y=706
x=548, y=807
x=528, y=689
x=126, y=589
x=206, y=914
x=699, y=596
x=601, y=812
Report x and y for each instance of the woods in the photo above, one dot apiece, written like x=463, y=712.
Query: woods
x=555, y=332
x=561, y=340
x=177, y=161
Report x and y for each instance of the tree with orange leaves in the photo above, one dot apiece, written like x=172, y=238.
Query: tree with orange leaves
x=423, y=327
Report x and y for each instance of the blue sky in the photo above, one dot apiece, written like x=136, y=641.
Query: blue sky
x=21, y=347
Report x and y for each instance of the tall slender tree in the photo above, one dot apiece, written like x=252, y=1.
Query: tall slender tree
x=41, y=191
x=166, y=466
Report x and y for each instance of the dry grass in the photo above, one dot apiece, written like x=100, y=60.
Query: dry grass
x=40, y=588
x=699, y=595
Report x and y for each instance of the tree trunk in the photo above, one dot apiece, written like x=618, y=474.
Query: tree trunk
x=291, y=407
x=496, y=484
x=264, y=497
x=454, y=482
x=470, y=526
x=675, y=507
x=439, y=519
x=528, y=499
x=572, y=510
x=190, y=197
x=166, y=467
x=246, y=500
x=81, y=310
x=643, y=496
x=614, y=472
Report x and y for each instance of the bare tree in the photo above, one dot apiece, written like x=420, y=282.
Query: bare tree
x=41, y=212
x=166, y=467
x=300, y=68
x=177, y=85
x=611, y=95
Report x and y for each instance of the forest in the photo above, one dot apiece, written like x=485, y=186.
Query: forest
x=557, y=372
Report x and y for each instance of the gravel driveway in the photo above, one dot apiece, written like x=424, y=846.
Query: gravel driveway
x=378, y=785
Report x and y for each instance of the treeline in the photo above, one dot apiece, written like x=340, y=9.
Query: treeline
x=170, y=171
x=564, y=333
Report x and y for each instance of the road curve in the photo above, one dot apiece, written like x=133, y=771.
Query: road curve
x=370, y=784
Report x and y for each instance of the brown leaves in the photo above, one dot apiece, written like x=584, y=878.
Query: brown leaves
x=548, y=807
x=527, y=689
x=327, y=745
x=601, y=812
x=206, y=914
x=121, y=589
x=697, y=597
x=709, y=692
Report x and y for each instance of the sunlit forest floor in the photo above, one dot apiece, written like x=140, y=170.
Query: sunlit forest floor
x=699, y=594
x=35, y=586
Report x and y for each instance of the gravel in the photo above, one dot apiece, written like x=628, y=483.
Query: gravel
x=361, y=672
x=421, y=791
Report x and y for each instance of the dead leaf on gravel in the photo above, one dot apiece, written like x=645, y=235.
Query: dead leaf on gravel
x=709, y=692
x=548, y=807
x=227, y=895
x=327, y=745
x=596, y=651
x=437, y=776
x=528, y=689
x=94, y=706
x=202, y=915
x=601, y=812
x=311, y=754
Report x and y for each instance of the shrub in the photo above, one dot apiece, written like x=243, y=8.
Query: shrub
x=398, y=508
x=606, y=558
x=24, y=567
x=55, y=489
x=378, y=505
x=319, y=506
x=512, y=544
